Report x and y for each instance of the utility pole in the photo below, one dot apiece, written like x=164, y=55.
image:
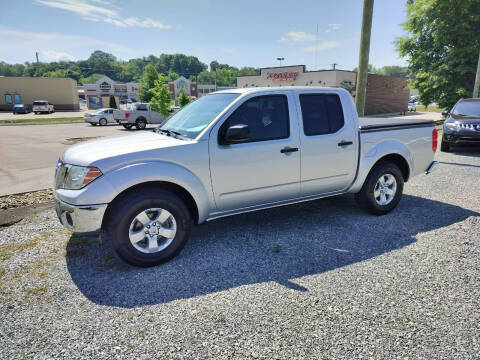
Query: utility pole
x=334, y=65
x=36, y=54
x=477, y=79
x=362, y=73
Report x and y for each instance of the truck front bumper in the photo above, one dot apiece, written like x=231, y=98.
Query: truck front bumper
x=80, y=218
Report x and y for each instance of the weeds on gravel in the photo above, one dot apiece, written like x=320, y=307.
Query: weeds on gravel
x=2, y=271
x=37, y=290
x=221, y=318
x=276, y=249
x=5, y=255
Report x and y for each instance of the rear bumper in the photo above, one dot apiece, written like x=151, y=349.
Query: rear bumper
x=80, y=219
x=431, y=167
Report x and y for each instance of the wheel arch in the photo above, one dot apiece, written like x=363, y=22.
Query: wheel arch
x=398, y=160
x=176, y=189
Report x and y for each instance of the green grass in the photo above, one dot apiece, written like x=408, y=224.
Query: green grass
x=39, y=120
x=423, y=108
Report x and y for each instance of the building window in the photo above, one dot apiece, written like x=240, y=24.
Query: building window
x=17, y=98
x=8, y=99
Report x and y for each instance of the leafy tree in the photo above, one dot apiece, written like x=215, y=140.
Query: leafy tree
x=112, y=103
x=91, y=79
x=442, y=48
x=183, y=98
x=160, y=100
x=150, y=75
x=172, y=76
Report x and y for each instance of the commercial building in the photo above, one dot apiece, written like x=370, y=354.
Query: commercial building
x=97, y=95
x=385, y=94
x=191, y=88
x=61, y=92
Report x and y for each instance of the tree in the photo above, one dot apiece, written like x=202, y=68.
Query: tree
x=112, y=103
x=183, y=98
x=441, y=48
x=150, y=75
x=160, y=100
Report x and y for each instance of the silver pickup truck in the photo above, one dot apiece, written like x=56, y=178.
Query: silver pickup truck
x=235, y=151
x=138, y=115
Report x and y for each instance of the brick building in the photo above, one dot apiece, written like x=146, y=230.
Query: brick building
x=385, y=94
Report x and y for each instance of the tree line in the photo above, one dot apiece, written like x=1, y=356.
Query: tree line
x=101, y=63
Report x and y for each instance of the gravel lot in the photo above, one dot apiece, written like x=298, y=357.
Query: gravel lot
x=319, y=280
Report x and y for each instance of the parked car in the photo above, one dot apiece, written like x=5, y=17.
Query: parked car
x=21, y=109
x=42, y=106
x=412, y=106
x=231, y=152
x=462, y=124
x=138, y=115
x=99, y=117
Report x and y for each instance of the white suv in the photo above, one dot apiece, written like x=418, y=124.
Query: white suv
x=42, y=106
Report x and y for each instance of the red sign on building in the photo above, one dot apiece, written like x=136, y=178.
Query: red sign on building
x=285, y=76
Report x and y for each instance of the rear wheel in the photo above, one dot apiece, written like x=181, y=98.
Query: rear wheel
x=149, y=227
x=382, y=190
x=445, y=146
x=141, y=124
x=102, y=122
x=127, y=126
x=93, y=124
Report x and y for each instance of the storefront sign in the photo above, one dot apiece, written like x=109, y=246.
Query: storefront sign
x=285, y=76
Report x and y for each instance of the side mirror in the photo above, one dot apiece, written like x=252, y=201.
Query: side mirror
x=237, y=133
x=445, y=112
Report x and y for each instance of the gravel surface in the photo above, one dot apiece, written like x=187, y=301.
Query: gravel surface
x=26, y=199
x=318, y=280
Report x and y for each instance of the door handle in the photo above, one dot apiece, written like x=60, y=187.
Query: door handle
x=288, y=149
x=345, y=143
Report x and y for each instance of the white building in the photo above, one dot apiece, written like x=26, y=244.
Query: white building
x=104, y=87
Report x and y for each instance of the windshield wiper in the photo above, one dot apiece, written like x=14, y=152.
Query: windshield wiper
x=170, y=132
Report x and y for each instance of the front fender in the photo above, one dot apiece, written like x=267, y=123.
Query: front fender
x=106, y=188
x=370, y=156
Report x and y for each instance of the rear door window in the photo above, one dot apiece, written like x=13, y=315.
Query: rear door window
x=321, y=113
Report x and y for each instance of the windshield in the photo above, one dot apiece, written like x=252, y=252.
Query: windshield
x=39, y=103
x=193, y=118
x=468, y=108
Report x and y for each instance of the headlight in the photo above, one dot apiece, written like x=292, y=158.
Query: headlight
x=79, y=176
x=454, y=126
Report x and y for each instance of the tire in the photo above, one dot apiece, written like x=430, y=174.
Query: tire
x=141, y=123
x=122, y=222
x=367, y=199
x=444, y=146
x=36, y=113
x=127, y=126
x=102, y=122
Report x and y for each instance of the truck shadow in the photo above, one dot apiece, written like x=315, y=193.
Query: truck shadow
x=278, y=244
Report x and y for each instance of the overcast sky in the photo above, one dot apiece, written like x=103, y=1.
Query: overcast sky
x=239, y=33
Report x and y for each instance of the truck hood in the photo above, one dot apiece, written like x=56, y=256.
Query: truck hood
x=90, y=152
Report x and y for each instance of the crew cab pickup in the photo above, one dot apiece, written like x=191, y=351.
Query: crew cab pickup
x=138, y=115
x=231, y=152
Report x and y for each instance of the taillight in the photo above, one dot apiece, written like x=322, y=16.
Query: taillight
x=127, y=115
x=434, y=139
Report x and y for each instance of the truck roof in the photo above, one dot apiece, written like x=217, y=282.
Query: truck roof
x=273, y=88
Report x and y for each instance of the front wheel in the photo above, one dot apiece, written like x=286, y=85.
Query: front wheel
x=149, y=227
x=382, y=189
x=445, y=146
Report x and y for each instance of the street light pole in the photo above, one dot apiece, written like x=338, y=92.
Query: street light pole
x=280, y=60
x=477, y=79
x=362, y=74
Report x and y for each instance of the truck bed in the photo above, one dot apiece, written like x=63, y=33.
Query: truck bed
x=371, y=124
